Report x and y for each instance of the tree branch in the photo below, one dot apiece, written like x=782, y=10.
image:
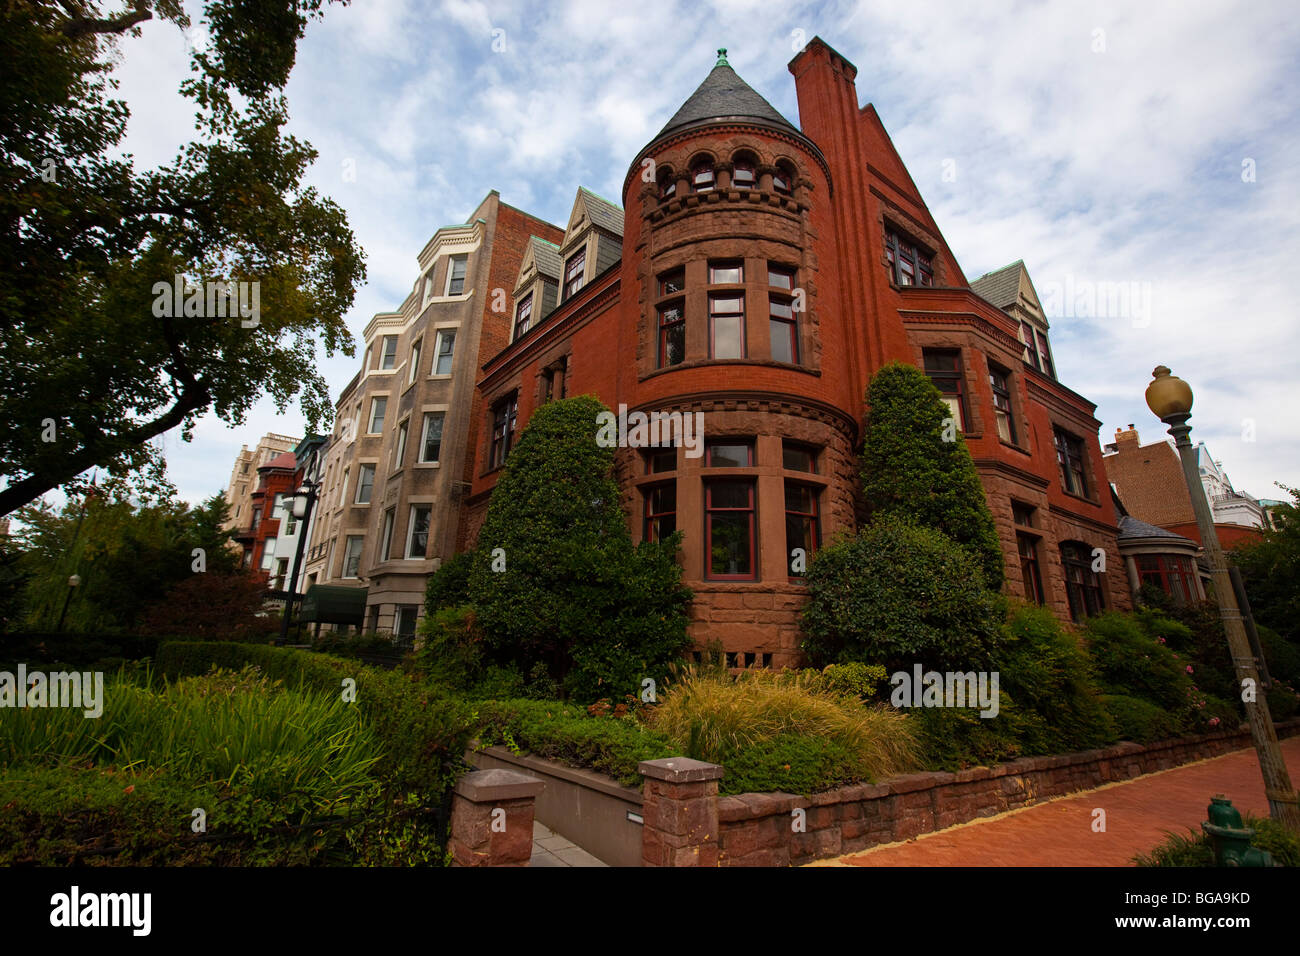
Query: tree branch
x=78, y=27
x=18, y=493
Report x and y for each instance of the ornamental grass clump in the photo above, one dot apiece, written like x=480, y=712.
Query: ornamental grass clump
x=824, y=737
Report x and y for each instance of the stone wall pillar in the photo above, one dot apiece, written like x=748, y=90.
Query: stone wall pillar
x=492, y=818
x=680, y=811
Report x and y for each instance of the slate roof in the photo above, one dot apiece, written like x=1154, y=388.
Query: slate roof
x=724, y=95
x=547, y=256
x=604, y=214
x=1002, y=286
x=1130, y=527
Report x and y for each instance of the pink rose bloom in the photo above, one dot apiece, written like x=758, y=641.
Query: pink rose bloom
x=1214, y=721
x=1189, y=668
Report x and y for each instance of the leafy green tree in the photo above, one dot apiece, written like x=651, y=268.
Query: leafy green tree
x=915, y=466
x=93, y=361
x=555, y=577
x=1270, y=568
x=899, y=594
x=128, y=554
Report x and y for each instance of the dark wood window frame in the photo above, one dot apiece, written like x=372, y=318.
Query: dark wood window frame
x=659, y=510
x=1003, y=412
x=672, y=332
x=523, y=316
x=908, y=259
x=1031, y=571
x=1175, y=574
x=950, y=380
x=716, y=313
x=505, y=414
x=811, y=531
x=1072, y=460
x=703, y=176
x=749, y=519
x=1083, y=586
x=575, y=272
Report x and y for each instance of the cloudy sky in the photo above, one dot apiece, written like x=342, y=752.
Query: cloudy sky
x=1143, y=159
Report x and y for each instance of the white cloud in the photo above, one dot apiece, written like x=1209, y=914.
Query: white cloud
x=1114, y=166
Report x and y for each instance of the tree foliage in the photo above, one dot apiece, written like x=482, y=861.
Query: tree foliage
x=88, y=372
x=555, y=577
x=127, y=553
x=909, y=469
x=1270, y=568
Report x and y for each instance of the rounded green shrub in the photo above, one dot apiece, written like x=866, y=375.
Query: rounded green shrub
x=910, y=469
x=897, y=594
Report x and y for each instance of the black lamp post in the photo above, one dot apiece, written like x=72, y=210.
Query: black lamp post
x=1170, y=398
x=74, y=582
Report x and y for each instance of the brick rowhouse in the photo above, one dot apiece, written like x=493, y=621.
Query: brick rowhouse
x=760, y=274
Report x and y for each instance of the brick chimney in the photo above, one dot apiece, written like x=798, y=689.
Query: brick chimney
x=1126, y=435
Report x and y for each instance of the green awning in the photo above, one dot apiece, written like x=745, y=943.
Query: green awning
x=334, y=605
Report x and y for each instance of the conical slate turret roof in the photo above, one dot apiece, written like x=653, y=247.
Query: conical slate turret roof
x=724, y=95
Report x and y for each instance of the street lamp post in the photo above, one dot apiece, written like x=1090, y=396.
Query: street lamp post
x=1170, y=398
x=74, y=582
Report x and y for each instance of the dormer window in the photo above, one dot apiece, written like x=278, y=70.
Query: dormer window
x=702, y=177
x=742, y=175
x=524, y=316
x=575, y=273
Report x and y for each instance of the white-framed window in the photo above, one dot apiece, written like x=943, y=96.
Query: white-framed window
x=428, y=288
x=378, y=408
x=388, y=352
x=417, y=539
x=456, y=275
x=352, y=555
x=386, y=539
x=268, y=554
x=431, y=440
x=415, y=361
x=365, y=484
x=444, y=352
x=343, y=488
x=399, y=452
x=370, y=354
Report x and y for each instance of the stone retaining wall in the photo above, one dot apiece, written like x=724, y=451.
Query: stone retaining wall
x=756, y=829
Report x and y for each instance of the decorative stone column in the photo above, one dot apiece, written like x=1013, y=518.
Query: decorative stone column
x=680, y=811
x=492, y=818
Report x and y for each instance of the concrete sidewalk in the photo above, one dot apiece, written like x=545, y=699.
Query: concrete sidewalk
x=1138, y=814
x=551, y=849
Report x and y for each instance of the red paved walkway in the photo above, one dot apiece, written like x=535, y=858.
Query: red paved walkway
x=1059, y=833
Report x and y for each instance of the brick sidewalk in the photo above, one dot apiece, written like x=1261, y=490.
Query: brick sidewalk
x=1059, y=833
